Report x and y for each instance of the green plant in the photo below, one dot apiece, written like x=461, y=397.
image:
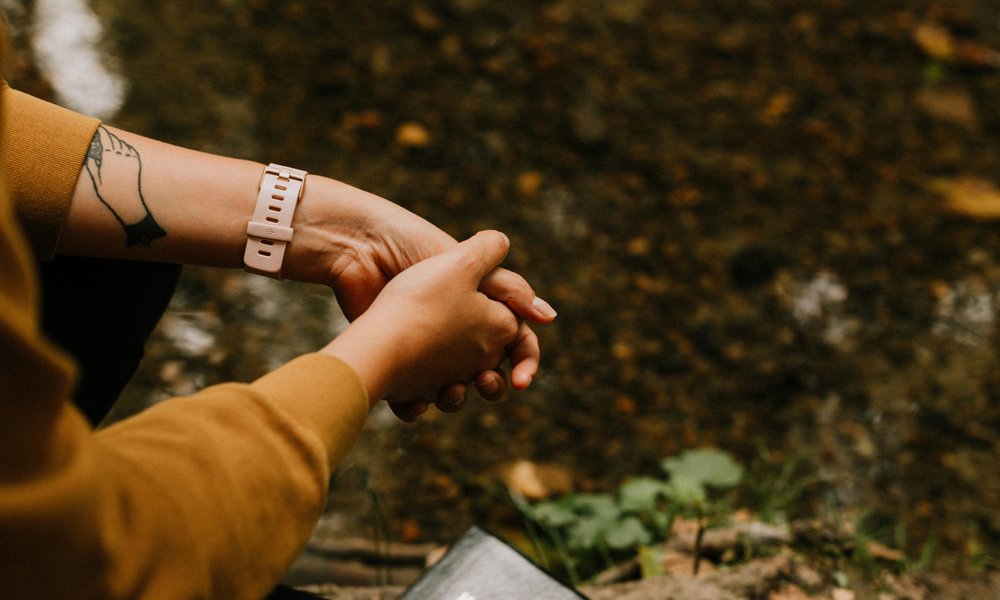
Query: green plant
x=587, y=531
x=774, y=484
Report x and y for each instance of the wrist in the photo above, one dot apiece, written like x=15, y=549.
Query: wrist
x=335, y=225
x=369, y=353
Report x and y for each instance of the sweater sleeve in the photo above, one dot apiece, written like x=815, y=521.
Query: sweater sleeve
x=207, y=496
x=211, y=495
x=215, y=494
x=42, y=150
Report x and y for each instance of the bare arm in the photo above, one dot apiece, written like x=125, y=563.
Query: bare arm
x=138, y=198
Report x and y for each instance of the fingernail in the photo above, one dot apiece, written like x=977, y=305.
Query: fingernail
x=524, y=382
x=490, y=386
x=543, y=308
x=456, y=401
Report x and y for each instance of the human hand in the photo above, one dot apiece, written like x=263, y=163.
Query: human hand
x=431, y=328
x=357, y=242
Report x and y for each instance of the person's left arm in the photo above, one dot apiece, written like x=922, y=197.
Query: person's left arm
x=138, y=198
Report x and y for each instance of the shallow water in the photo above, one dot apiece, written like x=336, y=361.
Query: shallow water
x=730, y=208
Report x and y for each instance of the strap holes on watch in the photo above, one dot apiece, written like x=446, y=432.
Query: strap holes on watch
x=264, y=252
x=274, y=208
x=278, y=186
x=272, y=220
x=267, y=242
x=278, y=197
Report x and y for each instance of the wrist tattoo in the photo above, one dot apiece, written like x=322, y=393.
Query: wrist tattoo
x=115, y=170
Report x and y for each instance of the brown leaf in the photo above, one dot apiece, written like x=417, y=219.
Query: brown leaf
x=777, y=107
x=938, y=44
x=977, y=55
x=535, y=481
x=841, y=594
x=952, y=106
x=969, y=196
x=934, y=40
x=413, y=135
x=788, y=591
x=883, y=552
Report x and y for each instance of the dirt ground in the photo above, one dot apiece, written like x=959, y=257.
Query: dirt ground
x=767, y=226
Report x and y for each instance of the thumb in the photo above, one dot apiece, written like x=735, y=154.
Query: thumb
x=484, y=252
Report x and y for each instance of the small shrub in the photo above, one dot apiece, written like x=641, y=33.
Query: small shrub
x=589, y=531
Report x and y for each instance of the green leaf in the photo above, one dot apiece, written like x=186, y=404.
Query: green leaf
x=586, y=533
x=627, y=533
x=599, y=506
x=686, y=492
x=642, y=494
x=661, y=521
x=708, y=466
x=553, y=514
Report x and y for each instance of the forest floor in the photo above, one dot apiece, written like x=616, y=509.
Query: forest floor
x=768, y=227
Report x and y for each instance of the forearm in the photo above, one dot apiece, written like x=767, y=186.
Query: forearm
x=137, y=198
x=141, y=199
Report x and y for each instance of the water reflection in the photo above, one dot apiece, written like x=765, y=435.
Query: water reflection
x=67, y=41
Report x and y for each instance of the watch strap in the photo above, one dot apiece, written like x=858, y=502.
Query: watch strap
x=270, y=229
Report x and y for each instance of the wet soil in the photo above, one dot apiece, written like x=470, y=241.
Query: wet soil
x=731, y=205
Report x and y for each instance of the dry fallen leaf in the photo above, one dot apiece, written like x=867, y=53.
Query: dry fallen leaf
x=777, y=107
x=969, y=196
x=883, y=552
x=413, y=135
x=841, y=594
x=949, y=105
x=938, y=44
x=935, y=41
x=788, y=591
x=535, y=481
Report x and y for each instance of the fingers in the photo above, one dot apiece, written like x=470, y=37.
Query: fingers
x=524, y=356
x=409, y=412
x=491, y=385
x=485, y=251
x=511, y=289
x=452, y=398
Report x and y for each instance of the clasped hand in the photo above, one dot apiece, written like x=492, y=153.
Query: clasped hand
x=432, y=330
x=357, y=243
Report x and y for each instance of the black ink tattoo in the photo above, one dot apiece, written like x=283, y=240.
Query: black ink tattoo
x=111, y=158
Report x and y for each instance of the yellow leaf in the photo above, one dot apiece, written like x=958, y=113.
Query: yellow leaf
x=969, y=196
x=413, y=135
x=535, y=481
x=935, y=41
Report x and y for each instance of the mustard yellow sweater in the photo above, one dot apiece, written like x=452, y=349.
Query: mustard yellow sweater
x=210, y=495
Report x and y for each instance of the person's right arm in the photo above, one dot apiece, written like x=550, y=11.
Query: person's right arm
x=213, y=495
